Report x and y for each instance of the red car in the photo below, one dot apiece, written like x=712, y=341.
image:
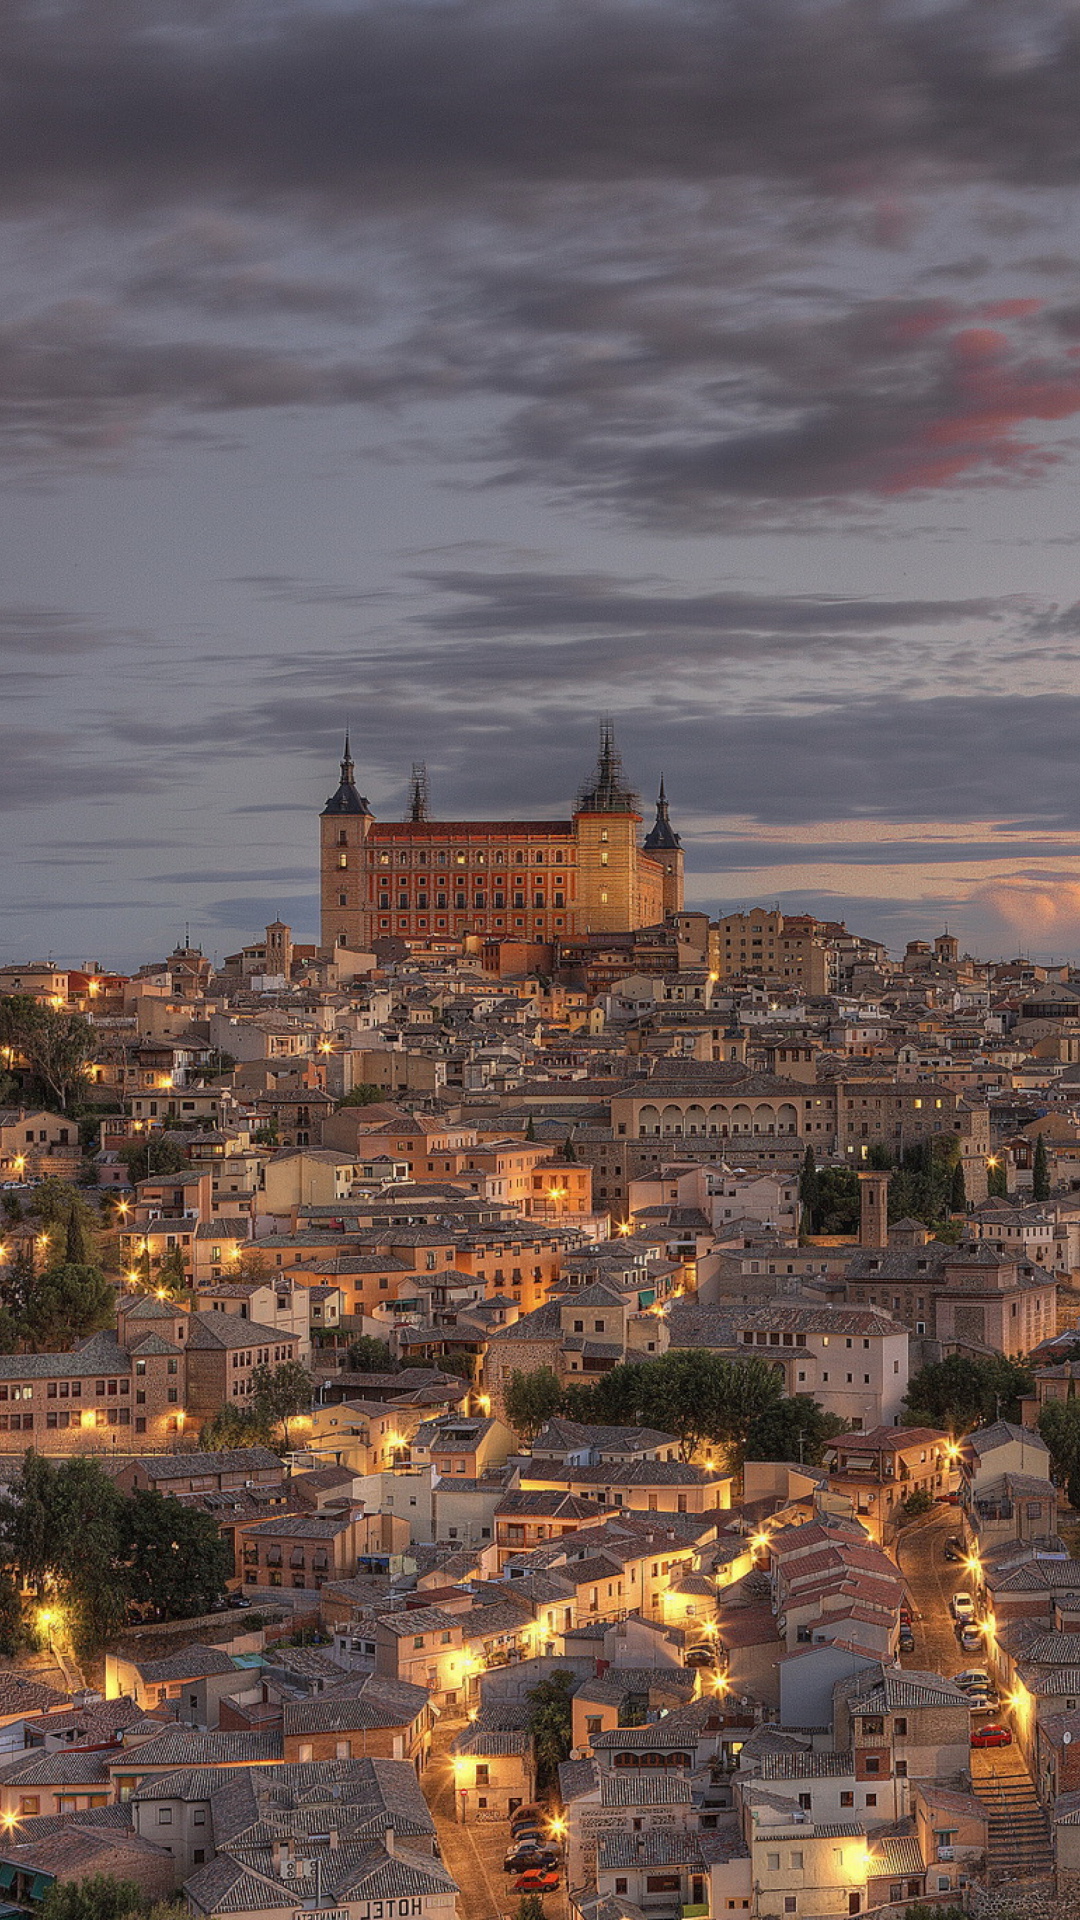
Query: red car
x=537, y=1880
x=991, y=1736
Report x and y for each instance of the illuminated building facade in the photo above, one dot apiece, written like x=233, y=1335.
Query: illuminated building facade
x=525, y=880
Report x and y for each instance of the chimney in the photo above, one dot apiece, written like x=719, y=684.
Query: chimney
x=873, y=1209
x=388, y=1839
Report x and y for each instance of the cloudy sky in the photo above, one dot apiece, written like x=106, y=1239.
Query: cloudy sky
x=465, y=371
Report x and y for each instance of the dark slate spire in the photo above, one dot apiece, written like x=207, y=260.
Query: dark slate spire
x=661, y=834
x=346, y=799
x=418, y=803
x=607, y=791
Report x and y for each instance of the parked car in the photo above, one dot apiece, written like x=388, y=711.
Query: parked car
x=519, y=1859
x=238, y=1600
x=907, y=1640
x=946, y=1499
x=700, y=1656
x=537, y=1880
x=983, y=1702
x=970, y=1639
x=532, y=1814
x=991, y=1736
x=971, y=1678
x=954, y=1551
x=962, y=1606
x=528, y=1837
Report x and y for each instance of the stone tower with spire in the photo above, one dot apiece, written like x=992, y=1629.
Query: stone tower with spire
x=665, y=847
x=344, y=826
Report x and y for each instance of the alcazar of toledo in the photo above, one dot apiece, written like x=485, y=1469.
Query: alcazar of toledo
x=533, y=881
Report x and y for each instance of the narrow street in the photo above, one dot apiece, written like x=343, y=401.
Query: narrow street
x=474, y=1854
x=932, y=1580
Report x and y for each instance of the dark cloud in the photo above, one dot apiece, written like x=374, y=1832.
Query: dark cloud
x=405, y=99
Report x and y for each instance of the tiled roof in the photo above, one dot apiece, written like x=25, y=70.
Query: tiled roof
x=189, y=1663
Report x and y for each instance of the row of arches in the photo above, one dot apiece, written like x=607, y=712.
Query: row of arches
x=696, y=1121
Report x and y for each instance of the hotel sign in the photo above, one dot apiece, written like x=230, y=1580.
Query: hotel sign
x=405, y=1909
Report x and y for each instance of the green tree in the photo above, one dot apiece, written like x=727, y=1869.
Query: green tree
x=59, y=1532
x=176, y=1556
x=836, y=1207
x=958, y=1196
x=79, y=1248
x=57, y=1047
x=530, y=1907
x=531, y=1399
x=14, y=1634
x=366, y=1094
x=530, y=1130
x=17, y=1281
x=172, y=1274
x=921, y=1501
x=53, y=1201
x=66, y=1303
x=1059, y=1425
x=282, y=1393
x=97, y=1896
x=569, y=1151
x=1040, y=1172
x=236, y=1427
x=880, y=1157
x=796, y=1429
x=367, y=1355
x=997, y=1178
x=148, y=1158
x=550, y=1723
x=808, y=1188
x=960, y=1393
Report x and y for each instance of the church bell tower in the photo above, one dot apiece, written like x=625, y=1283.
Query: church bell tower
x=345, y=822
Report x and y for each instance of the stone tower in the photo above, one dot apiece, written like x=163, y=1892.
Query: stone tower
x=344, y=826
x=665, y=847
x=606, y=821
x=873, y=1208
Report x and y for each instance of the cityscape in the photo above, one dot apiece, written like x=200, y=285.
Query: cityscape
x=540, y=960
x=540, y=1402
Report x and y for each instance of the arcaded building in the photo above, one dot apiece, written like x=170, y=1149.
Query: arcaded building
x=527, y=880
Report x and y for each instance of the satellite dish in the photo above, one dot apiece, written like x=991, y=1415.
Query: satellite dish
x=1066, y=1738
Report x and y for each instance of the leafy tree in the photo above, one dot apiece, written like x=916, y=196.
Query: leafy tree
x=920, y=1501
x=367, y=1355
x=880, y=1157
x=836, y=1205
x=704, y=1398
x=56, y=1046
x=922, y=1186
x=11, y=1206
x=176, y=1557
x=53, y=1201
x=148, y=1158
x=79, y=1249
x=365, y=1094
x=67, y=1303
x=796, y=1429
x=13, y=1628
x=59, y=1531
x=530, y=1907
x=960, y=1393
x=172, y=1274
x=958, y=1196
x=997, y=1179
x=550, y=1723
x=1059, y=1425
x=569, y=1151
x=17, y=1280
x=96, y=1897
x=236, y=1427
x=461, y=1362
x=280, y=1394
x=254, y=1265
x=1040, y=1171
x=808, y=1186
x=531, y=1399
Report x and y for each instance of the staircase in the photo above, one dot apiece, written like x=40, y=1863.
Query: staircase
x=1020, y=1847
